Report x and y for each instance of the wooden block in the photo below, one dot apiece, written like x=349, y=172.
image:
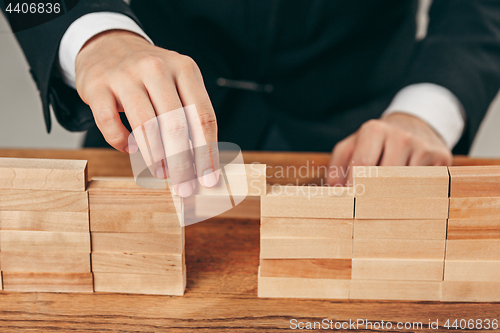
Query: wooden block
x=125, y=195
x=140, y=263
x=401, y=208
x=43, y=174
x=400, y=229
x=397, y=269
x=44, y=221
x=313, y=248
x=284, y=227
x=152, y=284
x=306, y=268
x=48, y=282
x=463, y=270
x=398, y=249
x=308, y=202
x=44, y=241
x=289, y=287
x=396, y=290
x=471, y=291
x=1, y=281
x=475, y=208
x=145, y=222
x=238, y=180
x=473, y=249
x=474, y=229
x=401, y=182
x=48, y=262
x=475, y=181
x=37, y=200
x=138, y=242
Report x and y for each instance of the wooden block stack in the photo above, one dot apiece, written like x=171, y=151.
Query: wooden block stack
x=306, y=242
x=44, y=225
x=137, y=238
x=472, y=267
x=399, y=232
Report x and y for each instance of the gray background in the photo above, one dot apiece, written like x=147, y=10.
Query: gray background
x=22, y=126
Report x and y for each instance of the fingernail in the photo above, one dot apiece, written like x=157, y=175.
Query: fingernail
x=160, y=173
x=185, y=189
x=209, y=178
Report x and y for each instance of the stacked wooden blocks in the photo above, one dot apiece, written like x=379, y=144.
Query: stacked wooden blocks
x=44, y=225
x=399, y=232
x=472, y=268
x=306, y=242
x=137, y=238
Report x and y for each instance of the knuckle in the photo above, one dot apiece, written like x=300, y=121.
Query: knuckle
x=187, y=64
x=208, y=120
x=177, y=127
x=373, y=126
x=106, y=117
x=116, y=140
x=151, y=63
x=180, y=167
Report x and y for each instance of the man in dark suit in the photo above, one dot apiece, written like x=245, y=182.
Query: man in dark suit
x=280, y=75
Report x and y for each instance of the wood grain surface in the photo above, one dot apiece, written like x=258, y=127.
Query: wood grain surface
x=222, y=258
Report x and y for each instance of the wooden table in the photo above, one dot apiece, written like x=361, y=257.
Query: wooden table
x=222, y=257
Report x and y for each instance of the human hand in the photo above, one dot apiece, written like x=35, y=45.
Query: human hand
x=119, y=71
x=398, y=139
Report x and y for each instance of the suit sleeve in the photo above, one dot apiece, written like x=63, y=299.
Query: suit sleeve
x=40, y=45
x=461, y=52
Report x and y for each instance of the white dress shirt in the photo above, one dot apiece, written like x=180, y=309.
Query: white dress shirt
x=434, y=104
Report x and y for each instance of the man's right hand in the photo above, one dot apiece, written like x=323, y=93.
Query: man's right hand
x=119, y=71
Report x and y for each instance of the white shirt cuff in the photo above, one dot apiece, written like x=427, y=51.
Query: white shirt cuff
x=84, y=28
x=435, y=105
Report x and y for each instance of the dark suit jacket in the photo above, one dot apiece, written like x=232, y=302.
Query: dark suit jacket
x=333, y=64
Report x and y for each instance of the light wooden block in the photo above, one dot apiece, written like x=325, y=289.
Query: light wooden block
x=283, y=227
x=396, y=290
x=37, y=200
x=140, y=263
x=152, y=284
x=44, y=241
x=475, y=208
x=313, y=248
x=48, y=262
x=124, y=195
x=401, y=208
x=48, y=282
x=138, y=242
x=398, y=249
x=397, y=269
x=248, y=208
x=306, y=268
x=44, y=221
x=308, y=202
x=462, y=270
x=289, y=287
x=473, y=249
x=471, y=291
x=400, y=229
x=475, y=181
x=238, y=180
x=43, y=174
x=124, y=221
x=474, y=229
x=401, y=182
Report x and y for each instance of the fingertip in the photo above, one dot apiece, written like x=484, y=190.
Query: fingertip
x=209, y=178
